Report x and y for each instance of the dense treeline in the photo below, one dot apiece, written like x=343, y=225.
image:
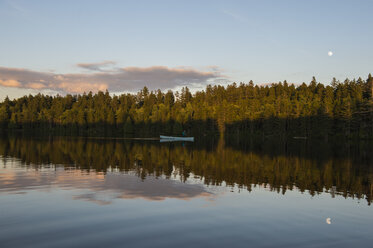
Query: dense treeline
x=281, y=109
x=300, y=165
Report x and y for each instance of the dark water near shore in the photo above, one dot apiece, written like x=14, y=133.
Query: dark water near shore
x=82, y=192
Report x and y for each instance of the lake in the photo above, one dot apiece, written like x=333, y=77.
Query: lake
x=95, y=192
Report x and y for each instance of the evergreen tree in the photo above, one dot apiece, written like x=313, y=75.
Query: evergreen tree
x=281, y=109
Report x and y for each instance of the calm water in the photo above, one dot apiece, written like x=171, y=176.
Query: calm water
x=76, y=192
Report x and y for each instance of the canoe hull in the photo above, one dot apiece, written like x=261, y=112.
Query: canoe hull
x=173, y=138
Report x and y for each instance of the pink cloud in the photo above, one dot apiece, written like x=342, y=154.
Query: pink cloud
x=36, y=86
x=10, y=83
x=117, y=80
x=81, y=87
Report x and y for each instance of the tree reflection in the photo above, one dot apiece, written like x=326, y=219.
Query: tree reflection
x=280, y=167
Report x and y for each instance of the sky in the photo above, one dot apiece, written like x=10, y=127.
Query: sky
x=79, y=46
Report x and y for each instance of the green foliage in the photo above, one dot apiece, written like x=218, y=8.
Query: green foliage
x=281, y=109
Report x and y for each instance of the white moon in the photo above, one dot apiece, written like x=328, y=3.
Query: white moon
x=330, y=53
x=328, y=221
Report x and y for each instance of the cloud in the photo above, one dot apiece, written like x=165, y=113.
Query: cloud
x=81, y=87
x=10, y=83
x=116, y=80
x=236, y=16
x=96, y=66
x=36, y=86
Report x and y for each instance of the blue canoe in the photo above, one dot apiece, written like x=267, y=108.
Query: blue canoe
x=174, y=138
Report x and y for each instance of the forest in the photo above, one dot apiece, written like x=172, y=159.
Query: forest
x=314, y=110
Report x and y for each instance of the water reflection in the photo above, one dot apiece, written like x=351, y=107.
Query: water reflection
x=128, y=170
x=95, y=186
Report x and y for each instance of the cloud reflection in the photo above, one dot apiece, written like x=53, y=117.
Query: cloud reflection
x=98, y=187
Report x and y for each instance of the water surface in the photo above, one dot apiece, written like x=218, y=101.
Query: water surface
x=84, y=192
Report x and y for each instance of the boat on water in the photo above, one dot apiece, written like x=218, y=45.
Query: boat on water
x=175, y=138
